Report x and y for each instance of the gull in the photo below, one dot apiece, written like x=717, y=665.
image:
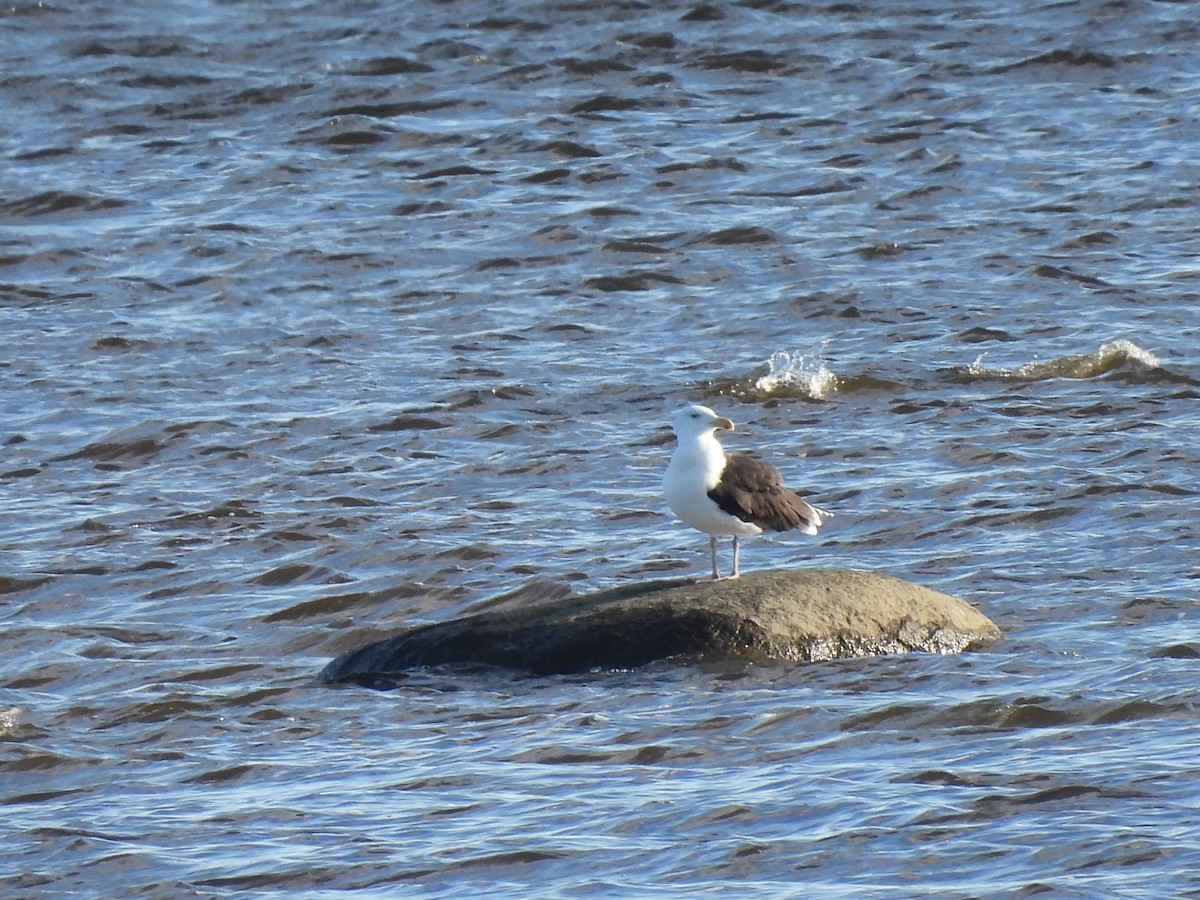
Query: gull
x=734, y=494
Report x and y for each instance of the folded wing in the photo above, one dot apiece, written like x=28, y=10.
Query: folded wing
x=754, y=491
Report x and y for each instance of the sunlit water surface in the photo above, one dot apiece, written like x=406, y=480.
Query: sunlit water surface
x=323, y=320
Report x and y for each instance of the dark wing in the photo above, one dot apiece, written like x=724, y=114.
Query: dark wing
x=753, y=491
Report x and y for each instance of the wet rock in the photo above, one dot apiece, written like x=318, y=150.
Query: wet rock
x=805, y=615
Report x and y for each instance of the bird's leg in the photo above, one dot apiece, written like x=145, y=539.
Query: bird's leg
x=712, y=543
x=737, y=548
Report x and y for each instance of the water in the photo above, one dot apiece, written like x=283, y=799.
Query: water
x=325, y=320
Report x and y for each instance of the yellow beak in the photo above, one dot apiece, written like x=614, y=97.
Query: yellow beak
x=724, y=424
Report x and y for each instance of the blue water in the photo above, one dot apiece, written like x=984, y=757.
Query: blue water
x=324, y=321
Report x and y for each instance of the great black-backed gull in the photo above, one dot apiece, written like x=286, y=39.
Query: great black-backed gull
x=732, y=495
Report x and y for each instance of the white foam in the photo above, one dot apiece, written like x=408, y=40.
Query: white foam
x=11, y=718
x=1132, y=351
x=977, y=367
x=794, y=370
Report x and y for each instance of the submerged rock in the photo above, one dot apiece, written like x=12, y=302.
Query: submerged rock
x=804, y=615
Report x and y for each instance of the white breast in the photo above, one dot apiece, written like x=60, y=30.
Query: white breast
x=694, y=469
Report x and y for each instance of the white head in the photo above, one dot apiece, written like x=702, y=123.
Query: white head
x=695, y=421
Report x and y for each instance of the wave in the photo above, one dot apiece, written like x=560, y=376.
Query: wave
x=1111, y=356
x=797, y=375
x=797, y=371
x=790, y=375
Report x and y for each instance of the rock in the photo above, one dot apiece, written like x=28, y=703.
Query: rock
x=805, y=615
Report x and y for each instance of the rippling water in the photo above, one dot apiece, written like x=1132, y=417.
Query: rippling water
x=321, y=320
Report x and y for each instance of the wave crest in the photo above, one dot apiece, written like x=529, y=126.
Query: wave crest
x=797, y=373
x=1110, y=356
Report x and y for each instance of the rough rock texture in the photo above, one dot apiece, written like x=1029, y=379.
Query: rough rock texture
x=805, y=615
